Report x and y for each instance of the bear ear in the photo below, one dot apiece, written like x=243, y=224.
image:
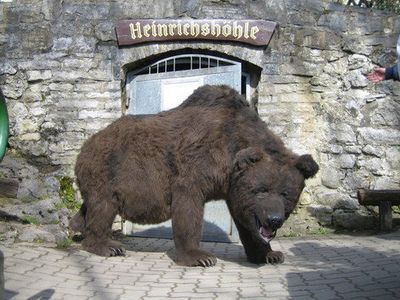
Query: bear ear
x=246, y=157
x=307, y=166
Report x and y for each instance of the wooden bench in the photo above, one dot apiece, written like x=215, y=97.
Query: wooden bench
x=385, y=199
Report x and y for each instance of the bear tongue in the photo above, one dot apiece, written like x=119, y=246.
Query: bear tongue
x=266, y=233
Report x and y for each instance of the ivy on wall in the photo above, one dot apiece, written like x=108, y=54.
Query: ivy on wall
x=389, y=5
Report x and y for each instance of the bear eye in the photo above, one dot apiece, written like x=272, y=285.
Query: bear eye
x=284, y=194
x=261, y=190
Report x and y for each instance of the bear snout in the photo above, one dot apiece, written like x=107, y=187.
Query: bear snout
x=275, y=221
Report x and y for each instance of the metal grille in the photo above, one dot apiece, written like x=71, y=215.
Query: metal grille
x=185, y=62
x=389, y=5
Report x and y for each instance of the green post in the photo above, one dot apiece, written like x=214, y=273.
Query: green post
x=4, y=126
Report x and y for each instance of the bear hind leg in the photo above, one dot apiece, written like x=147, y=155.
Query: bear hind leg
x=196, y=257
x=98, y=222
x=103, y=247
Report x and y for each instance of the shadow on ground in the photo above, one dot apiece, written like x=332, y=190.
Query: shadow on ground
x=344, y=272
x=211, y=233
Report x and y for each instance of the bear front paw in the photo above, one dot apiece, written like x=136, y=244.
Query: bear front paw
x=275, y=257
x=195, y=258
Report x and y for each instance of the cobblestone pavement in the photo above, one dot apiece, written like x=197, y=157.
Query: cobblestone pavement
x=328, y=267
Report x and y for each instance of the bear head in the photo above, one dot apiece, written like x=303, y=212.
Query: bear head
x=264, y=191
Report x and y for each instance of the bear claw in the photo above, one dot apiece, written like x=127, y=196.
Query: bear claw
x=207, y=262
x=103, y=248
x=117, y=251
x=197, y=257
x=275, y=257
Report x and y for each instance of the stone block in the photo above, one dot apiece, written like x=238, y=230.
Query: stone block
x=356, y=179
x=302, y=18
x=378, y=136
x=105, y=32
x=375, y=165
x=144, y=9
x=332, y=148
x=83, y=44
x=79, y=63
x=337, y=67
x=353, y=149
x=322, y=213
x=356, y=79
x=377, y=151
x=347, y=161
x=345, y=133
x=61, y=87
x=62, y=44
x=26, y=126
x=385, y=114
x=14, y=86
x=7, y=68
x=356, y=45
x=349, y=219
x=84, y=114
x=88, y=11
x=34, y=136
x=27, y=13
x=32, y=234
x=334, y=199
x=34, y=39
x=334, y=21
x=38, y=75
x=271, y=10
x=357, y=61
x=385, y=183
x=317, y=39
x=44, y=61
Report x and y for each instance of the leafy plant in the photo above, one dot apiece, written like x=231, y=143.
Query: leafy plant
x=67, y=194
x=389, y=5
x=64, y=244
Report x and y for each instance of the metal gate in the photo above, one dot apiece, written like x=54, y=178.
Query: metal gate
x=164, y=85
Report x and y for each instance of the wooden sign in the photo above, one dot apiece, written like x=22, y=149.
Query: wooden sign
x=253, y=32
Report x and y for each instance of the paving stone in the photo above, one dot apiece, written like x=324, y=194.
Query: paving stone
x=75, y=292
x=374, y=294
x=20, y=268
x=84, y=276
x=250, y=292
x=159, y=292
x=189, y=295
x=186, y=287
x=129, y=295
x=325, y=294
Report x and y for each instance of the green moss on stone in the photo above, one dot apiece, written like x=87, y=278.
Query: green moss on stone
x=30, y=220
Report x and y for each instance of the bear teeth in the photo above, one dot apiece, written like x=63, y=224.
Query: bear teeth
x=265, y=233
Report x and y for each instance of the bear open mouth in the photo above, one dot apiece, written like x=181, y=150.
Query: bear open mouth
x=266, y=233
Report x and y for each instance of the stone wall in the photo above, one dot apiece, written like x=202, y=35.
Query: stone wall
x=63, y=78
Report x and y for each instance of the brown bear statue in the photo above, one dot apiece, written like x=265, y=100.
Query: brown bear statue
x=149, y=169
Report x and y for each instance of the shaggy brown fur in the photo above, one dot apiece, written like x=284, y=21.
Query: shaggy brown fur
x=167, y=166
